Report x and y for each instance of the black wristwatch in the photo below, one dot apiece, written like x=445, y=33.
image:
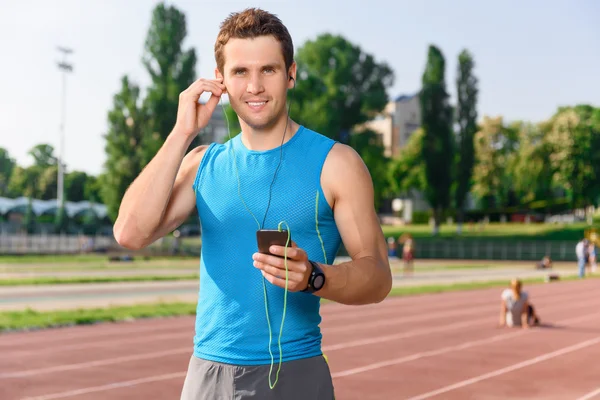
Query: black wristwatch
x=316, y=279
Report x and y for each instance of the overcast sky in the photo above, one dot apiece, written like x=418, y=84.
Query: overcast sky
x=531, y=57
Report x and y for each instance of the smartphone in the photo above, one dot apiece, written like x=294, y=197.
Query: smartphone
x=268, y=237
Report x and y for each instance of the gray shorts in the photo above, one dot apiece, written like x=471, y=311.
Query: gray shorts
x=304, y=379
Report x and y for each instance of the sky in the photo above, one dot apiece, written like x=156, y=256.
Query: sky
x=530, y=57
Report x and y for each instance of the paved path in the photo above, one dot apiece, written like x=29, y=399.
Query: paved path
x=69, y=296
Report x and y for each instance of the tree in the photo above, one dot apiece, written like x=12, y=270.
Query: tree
x=436, y=121
x=407, y=171
x=531, y=172
x=43, y=155
x=29, y=218
x=369, y=145
x=46, y=182
x=92, y=188
x=7, y=164
x=495, y=149
x=125, y=145
x=61, y=220
x=466, y=85
x=75, y=185
x=91, y=222
x=574, y=137
x=23, y=182
x=171, y=71
x=338, y=86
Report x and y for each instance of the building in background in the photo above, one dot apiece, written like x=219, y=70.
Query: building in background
x=400, y=118
x=216, y=130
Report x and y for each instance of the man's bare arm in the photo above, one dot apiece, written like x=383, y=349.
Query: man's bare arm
x=161, y=197
x=367, y=278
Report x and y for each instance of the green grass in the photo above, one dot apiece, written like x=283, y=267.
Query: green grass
x=94, y=279
x=400, y=268
x=106, y=268
x=30, y=319
x=509, y=231
x=453, y=287
x=76, y=267
x=51, y=258
x=79, y=258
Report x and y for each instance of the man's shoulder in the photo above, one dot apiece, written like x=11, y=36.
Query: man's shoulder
x=344, y=156
x=196, y=154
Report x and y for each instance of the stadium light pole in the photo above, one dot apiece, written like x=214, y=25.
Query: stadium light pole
x=66, y=68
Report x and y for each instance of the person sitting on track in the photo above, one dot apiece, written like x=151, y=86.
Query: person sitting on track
x=546, y=263
x=515, y=308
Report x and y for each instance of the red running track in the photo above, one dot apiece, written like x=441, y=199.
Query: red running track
x=442, y=346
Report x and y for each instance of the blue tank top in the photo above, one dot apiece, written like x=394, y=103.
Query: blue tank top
x=231, y=323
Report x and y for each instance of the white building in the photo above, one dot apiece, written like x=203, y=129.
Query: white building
x=400, y=118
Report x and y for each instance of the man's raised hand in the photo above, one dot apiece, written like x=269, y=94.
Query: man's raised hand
x=193, y=116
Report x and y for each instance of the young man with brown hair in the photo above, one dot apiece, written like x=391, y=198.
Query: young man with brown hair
x=253, y=304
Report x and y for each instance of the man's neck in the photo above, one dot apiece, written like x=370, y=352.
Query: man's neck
x=270, y=138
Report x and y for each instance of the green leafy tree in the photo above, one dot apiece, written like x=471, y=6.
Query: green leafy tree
x=61, y=220
x=495, y=150
x=574, y=137
x=338, y=86
x=531, y=172
x=29, y=218
x=436, y=121
x=124, y=148
x=46, y=182
x=23, y=182
x=466, y=85
x=407, y=170
x=369, y=145
x=91, y=222
x=7, y=164
x=92, y=188
x=171, y=70
x=43, y=155
x=75, y=184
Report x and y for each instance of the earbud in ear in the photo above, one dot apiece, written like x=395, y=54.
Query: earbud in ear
x=292, y=79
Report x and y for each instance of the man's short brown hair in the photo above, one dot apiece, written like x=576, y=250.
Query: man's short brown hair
x=251, y=23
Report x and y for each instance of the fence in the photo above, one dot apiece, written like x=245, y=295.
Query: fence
x=425, y=249
x=54, y=244
x=494, y=249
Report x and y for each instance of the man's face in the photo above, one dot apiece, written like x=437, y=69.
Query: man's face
x=257, y=80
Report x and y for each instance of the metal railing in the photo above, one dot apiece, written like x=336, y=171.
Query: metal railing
x=494, y=249
x=53, y=244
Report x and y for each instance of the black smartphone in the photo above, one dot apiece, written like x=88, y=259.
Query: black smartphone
x=269, y=237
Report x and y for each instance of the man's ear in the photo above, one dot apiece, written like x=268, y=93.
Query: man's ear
x=218, y=75
x=292, y=76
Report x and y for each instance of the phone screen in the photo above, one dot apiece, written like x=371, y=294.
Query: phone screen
x=267, y=237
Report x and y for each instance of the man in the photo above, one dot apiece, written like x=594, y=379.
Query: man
x=581, y=253
x=275, y=172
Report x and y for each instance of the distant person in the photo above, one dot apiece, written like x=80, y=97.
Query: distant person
x=591, y=254
x=545, y=263
x=515, y=308
x=408, y=254
x=392, y=247
x=581, y=253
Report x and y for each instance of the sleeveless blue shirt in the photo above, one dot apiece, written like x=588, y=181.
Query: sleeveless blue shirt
x=231, y=323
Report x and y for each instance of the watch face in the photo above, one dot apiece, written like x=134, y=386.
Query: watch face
x=318, y=282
